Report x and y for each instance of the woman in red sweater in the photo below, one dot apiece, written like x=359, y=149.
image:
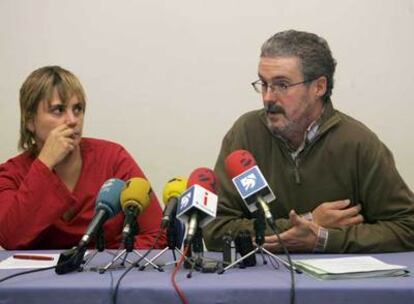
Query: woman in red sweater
x=48, y=192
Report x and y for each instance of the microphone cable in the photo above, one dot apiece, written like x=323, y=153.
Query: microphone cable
x=177, y=288
x=133, y=265
x=291, y=267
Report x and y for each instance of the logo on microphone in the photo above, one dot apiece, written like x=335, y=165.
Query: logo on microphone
x=197, y=199
x=249, y=182
x=185, y=200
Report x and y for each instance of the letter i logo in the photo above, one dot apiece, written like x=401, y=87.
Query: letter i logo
x=205, y=198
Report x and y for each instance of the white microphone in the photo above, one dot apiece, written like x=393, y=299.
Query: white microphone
x=198, y=204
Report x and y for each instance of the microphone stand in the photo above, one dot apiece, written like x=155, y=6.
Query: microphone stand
x=195, y=261
x=259, y=227
x=172, y=244
x=100, y=246
x=129, y=240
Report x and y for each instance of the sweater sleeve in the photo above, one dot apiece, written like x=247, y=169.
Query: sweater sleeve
x=233, y=215
x=29, y=203
x=387, y=206
x=150, y=219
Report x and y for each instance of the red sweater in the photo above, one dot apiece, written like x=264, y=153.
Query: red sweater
x=33, y=200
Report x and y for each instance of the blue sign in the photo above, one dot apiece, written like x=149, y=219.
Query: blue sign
x=250, y=182
x=186, y=201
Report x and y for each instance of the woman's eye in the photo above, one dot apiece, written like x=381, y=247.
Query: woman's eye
x=57, y=110
x=78, y=109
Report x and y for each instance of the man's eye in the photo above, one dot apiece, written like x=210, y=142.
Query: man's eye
x=281, y=85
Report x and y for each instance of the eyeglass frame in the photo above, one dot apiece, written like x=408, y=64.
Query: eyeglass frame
x=282, y=89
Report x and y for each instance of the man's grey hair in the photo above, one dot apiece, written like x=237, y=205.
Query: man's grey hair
x=315, y=56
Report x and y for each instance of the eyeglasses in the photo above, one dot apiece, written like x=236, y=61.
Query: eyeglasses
x=280, y=87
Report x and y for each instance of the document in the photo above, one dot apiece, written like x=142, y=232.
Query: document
x=29, y=261
x=349, y=268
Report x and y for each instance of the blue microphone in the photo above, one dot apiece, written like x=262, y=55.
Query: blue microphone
x=107, y=205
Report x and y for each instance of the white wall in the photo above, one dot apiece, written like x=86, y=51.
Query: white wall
x=168, y=78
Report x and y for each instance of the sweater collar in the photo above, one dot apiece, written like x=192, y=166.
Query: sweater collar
x=328, y=119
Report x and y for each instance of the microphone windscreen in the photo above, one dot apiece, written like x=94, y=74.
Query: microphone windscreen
x=238, y=161
x=174, y=188
x=204, y=177
x=136, y=193
x=108, y=196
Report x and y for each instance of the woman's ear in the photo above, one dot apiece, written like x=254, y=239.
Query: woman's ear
x=30, y=125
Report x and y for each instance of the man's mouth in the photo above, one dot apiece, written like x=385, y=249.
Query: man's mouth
x=273, y=108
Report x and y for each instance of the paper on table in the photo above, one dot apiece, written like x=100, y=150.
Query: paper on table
x=349, y=267
x=12, y=263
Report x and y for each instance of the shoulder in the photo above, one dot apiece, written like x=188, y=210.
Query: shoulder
x=248, y=132
x=249, y=124
x=100, y=145
x=21, y=162
x=249, y=119
x=353, y=137
x=354, y=130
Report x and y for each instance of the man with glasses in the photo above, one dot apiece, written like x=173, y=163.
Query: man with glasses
x=336, y=183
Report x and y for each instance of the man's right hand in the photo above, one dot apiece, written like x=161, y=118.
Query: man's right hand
x=57, y=146
x=337, y=214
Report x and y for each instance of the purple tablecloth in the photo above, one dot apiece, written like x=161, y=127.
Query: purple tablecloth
x=259, y=284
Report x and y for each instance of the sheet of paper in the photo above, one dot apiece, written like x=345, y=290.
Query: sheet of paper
x=348, y=265
x=12, y=263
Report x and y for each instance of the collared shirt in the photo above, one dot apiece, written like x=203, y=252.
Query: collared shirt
x=310, y=133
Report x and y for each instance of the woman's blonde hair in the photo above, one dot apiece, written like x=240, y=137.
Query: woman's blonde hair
x=40, y=85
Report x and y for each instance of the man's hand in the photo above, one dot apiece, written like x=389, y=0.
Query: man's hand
x=337, y=214
x=300, y=238
x=57, y=146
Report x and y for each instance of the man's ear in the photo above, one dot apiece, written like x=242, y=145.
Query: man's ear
x=321, y=86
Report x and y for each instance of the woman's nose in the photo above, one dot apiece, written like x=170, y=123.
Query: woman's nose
x=71, y=119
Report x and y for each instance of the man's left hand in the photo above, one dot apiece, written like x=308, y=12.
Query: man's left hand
x=300, y=238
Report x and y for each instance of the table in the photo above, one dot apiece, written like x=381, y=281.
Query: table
x=259, y=284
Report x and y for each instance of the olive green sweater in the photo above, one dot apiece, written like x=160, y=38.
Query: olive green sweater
x=344, y=161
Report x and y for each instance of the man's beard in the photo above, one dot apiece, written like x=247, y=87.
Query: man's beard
x=293, y=129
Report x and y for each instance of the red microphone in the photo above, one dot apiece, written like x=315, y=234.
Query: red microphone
x=238, y=161
x=198, y=204
x=249, y=181
x=205, y=178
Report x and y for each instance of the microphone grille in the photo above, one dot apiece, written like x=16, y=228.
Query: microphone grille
x=238, y=161
x=204, y=177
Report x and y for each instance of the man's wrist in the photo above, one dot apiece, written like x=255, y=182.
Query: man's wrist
x=321, y=240
x=307, y=216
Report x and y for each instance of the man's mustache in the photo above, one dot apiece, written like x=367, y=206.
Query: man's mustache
x=273, y=108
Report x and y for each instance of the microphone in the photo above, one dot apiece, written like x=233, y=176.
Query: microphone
x=170, y=196
x=107, y=205
x=249, y=181
x=135, y=198
x=198, y=204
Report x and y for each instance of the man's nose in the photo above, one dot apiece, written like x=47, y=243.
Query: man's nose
x=268, y=96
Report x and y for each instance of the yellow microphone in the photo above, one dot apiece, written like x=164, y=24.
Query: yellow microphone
x=135, y=198
x=170, y=196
